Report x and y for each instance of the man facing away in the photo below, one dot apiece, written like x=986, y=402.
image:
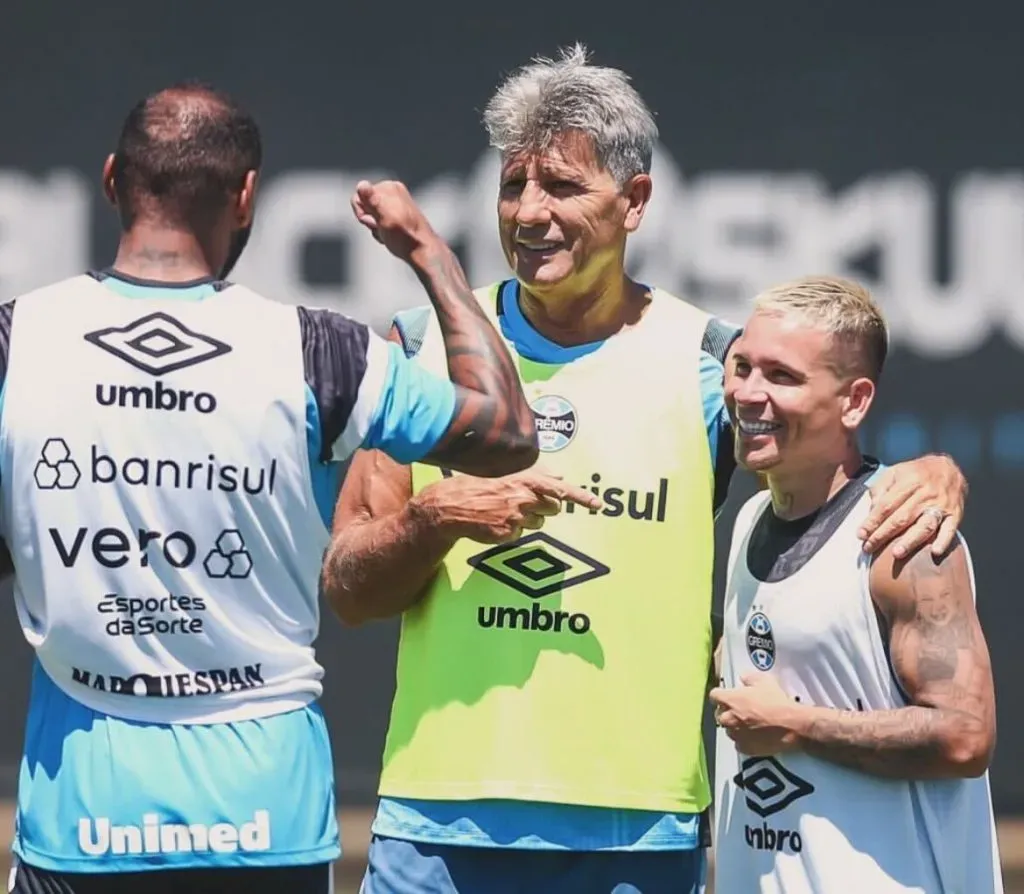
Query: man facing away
x=546, y=727
x=856, y=707
x=169, y=445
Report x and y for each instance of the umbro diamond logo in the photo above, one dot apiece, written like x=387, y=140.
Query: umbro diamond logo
x=769, y=787
x=538, y=565
x=157, y=344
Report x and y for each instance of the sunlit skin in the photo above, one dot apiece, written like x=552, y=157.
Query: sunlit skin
x=795, y=414
x=563, y=223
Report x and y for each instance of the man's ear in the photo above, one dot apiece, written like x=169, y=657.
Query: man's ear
x=109, y=167
x=857, y=402
x=247, y=199
x=638, y=197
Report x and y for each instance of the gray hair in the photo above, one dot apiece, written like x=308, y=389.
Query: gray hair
x=841, y=308
x=547, y=98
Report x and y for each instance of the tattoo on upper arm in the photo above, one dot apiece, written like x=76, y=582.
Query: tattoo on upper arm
x=938, y=625
x=939, y=654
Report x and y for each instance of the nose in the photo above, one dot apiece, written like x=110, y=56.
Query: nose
x=533, y=209
x=747, y=390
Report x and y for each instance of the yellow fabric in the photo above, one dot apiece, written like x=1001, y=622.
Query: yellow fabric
x=574, y=671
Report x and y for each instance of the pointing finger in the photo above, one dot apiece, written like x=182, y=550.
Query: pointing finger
x=579, y=496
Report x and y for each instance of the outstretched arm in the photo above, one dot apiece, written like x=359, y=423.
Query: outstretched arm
x=939, y=654
x=387, y=543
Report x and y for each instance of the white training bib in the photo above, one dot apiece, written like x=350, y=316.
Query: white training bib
x=157, y=498
x=794, y=824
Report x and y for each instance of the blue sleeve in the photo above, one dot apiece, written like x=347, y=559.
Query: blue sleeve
x=712, y=389
x=366, y=393
x=718, y=337
x=413, y=412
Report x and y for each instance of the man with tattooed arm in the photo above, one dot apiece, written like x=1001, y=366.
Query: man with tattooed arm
x=856, y=705
x=170, y=447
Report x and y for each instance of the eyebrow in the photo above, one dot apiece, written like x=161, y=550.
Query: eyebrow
x=773, y=361
x=550, y=167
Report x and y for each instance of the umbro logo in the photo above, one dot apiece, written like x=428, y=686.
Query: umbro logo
x=157, y=344
x=768, y=786
x=538, y=565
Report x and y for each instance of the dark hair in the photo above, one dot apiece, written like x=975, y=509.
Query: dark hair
x=182, y=153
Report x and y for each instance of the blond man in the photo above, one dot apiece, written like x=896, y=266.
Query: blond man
x=855, y=705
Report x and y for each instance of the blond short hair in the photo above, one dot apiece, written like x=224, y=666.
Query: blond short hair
x=842, y=308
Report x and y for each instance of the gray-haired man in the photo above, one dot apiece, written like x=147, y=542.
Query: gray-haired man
x=546, y=729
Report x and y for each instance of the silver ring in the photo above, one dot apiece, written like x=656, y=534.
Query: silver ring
x=939, y=514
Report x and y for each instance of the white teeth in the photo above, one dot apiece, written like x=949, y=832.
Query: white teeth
x=757, y=428
x=539, y=246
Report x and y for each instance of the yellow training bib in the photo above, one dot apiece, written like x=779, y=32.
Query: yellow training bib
x=570, y=666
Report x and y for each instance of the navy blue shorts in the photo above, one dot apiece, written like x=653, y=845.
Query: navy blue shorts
x=406, y=867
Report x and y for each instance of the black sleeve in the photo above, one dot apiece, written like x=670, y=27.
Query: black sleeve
x=334, y=356
x=6, y=320
x=718, y=338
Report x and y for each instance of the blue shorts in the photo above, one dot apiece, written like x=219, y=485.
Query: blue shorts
x=407, y=867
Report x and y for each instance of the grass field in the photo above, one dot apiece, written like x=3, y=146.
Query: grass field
x=355, y=834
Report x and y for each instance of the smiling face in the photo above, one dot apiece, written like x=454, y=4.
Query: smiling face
x=564, y=219
x=792, y=405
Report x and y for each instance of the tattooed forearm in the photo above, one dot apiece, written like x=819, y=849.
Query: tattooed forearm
x=904, y=743
x=493, y=432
